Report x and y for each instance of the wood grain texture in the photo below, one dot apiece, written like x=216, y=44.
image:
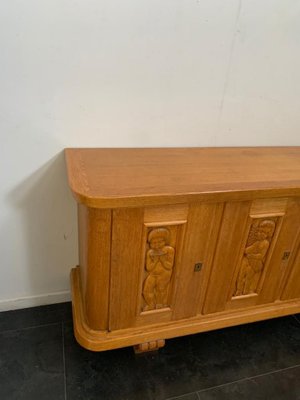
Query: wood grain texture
x=280, y=265
x=231, y=241
x=275, y=266
x=94, y=229
x=126, y=245
x=149, y=346
x=138, y=177
x=173, y=218
x=201, y=235
x=291, y=289
x=254, y=256
x=159, y=263
x=179, y=241
x=105, y=340
x=237, y=281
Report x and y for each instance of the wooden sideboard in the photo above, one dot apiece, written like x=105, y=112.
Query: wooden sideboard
x=175, y=241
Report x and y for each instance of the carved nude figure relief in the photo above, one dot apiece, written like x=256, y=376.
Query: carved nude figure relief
x=159, y=265
x=258, y=243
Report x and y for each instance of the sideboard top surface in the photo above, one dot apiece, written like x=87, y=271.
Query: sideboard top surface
x=131, y=177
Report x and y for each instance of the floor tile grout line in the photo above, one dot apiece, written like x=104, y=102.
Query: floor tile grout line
x=29, y=327
x=237, y=381
x=248, y=378
x=183, y=395
x=64, y=359
x=232, y=382
x=296, y=318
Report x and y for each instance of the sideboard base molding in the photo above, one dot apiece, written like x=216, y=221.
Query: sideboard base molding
x=139, y=336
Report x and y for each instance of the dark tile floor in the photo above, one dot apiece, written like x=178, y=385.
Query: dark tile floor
x=39, y=359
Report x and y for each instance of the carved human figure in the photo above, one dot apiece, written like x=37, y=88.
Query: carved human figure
x=159, y=265
x=254, y=257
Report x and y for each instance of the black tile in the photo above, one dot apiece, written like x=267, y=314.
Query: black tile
x=31, y=364
x=184, y=365
x=276, y=386
x=35, y=316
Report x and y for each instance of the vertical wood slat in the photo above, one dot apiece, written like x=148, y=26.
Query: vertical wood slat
x=94, y=260
x=231, y=238
x=201, y=234
x=127, y=235
x=292, y=287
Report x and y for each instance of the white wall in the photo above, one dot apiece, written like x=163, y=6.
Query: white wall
x=126, y=73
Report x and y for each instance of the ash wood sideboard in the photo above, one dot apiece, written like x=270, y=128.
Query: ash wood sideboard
x=175, y=241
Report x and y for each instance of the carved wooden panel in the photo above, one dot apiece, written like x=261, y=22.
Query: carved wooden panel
x=159, y=266
x=255, y=255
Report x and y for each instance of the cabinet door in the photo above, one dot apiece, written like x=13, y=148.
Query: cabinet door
x=291, y=289
x=253, y=252
x=160, y=262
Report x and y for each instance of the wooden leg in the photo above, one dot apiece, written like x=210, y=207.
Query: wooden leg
x=149, y=346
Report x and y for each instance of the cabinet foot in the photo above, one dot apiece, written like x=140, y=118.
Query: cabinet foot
x=149, y=346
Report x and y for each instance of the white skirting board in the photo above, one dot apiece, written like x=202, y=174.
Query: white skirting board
x=34, y=301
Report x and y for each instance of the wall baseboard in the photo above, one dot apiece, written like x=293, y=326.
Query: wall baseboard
x=34, y=301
